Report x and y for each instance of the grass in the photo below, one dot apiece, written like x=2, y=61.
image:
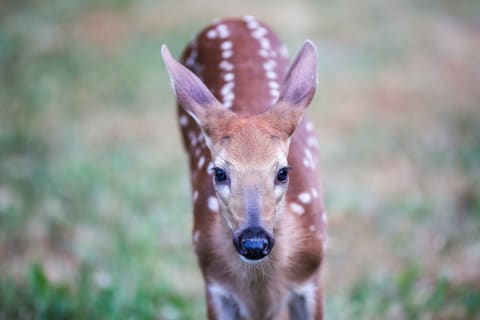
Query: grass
x=94, y=197
x=39, y=298
x=408, y=295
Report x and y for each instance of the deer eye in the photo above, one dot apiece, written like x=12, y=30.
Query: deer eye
x=220, y=175
x=282, y=175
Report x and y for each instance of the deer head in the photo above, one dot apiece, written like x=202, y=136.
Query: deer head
x=249, y=152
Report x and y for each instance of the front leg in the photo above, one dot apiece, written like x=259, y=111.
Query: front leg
x=221, y=305
x=306, y=302
x=297, y=307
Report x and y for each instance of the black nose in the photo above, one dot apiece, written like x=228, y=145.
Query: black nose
x=253, y=243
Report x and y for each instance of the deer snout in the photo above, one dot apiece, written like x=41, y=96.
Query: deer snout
x=253, y=243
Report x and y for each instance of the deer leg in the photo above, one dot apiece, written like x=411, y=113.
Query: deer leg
x=297, y=307
x=306, y=302
x=222, y=306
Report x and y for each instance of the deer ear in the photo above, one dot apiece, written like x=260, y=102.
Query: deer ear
x=190, y=91
x=297, y=90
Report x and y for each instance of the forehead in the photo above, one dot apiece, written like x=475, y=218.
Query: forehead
x=250, y=141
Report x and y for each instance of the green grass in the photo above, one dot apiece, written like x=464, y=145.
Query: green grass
x=409, y=295
x=39, y=298
x=95, y=216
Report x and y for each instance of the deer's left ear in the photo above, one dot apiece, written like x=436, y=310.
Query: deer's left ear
x=297, y=90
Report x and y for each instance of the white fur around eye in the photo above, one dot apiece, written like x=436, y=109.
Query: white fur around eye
x=279, y=192
x=223, y=190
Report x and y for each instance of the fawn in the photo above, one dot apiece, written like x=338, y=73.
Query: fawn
x=259, y=221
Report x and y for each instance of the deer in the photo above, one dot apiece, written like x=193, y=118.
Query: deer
x=259, y=224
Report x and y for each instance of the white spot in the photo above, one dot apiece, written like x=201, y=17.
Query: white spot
x=227, y=54
x=269, y=65
x=296, y=208
x=224, y=34
x=309, y=159
x=226, y=45
x=201, y=162
x=213, y=204
x=265, y=43
x=263, y=53
x=195, y=196
x=228, y=104
x=196, y=236
x=183, y=120
x=193, y=138
x=312, y=228
x=271, y=75
x=259, y=33
x=212, y=34
x=306, y=162
x=312, y=142
x=200, y=137
x=314, y=193
x=273, y=85
x=253, y=24
x=228, y=76
x=284, y=51
x=229, y=97
x=324, y=218
x=274, y=93
x=227, y=88
x=305, y=197
x=225, y=65
x=223, y=31
x=309, y=126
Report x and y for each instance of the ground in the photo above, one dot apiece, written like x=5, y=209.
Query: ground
x=95, y=213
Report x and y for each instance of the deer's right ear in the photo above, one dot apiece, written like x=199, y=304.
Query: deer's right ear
x=190, y=91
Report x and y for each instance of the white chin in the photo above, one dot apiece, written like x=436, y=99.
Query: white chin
x=252, y=261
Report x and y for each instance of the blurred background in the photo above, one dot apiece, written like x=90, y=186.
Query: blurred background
x=95, y=214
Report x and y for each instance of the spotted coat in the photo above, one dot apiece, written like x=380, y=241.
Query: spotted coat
x=243, y=64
